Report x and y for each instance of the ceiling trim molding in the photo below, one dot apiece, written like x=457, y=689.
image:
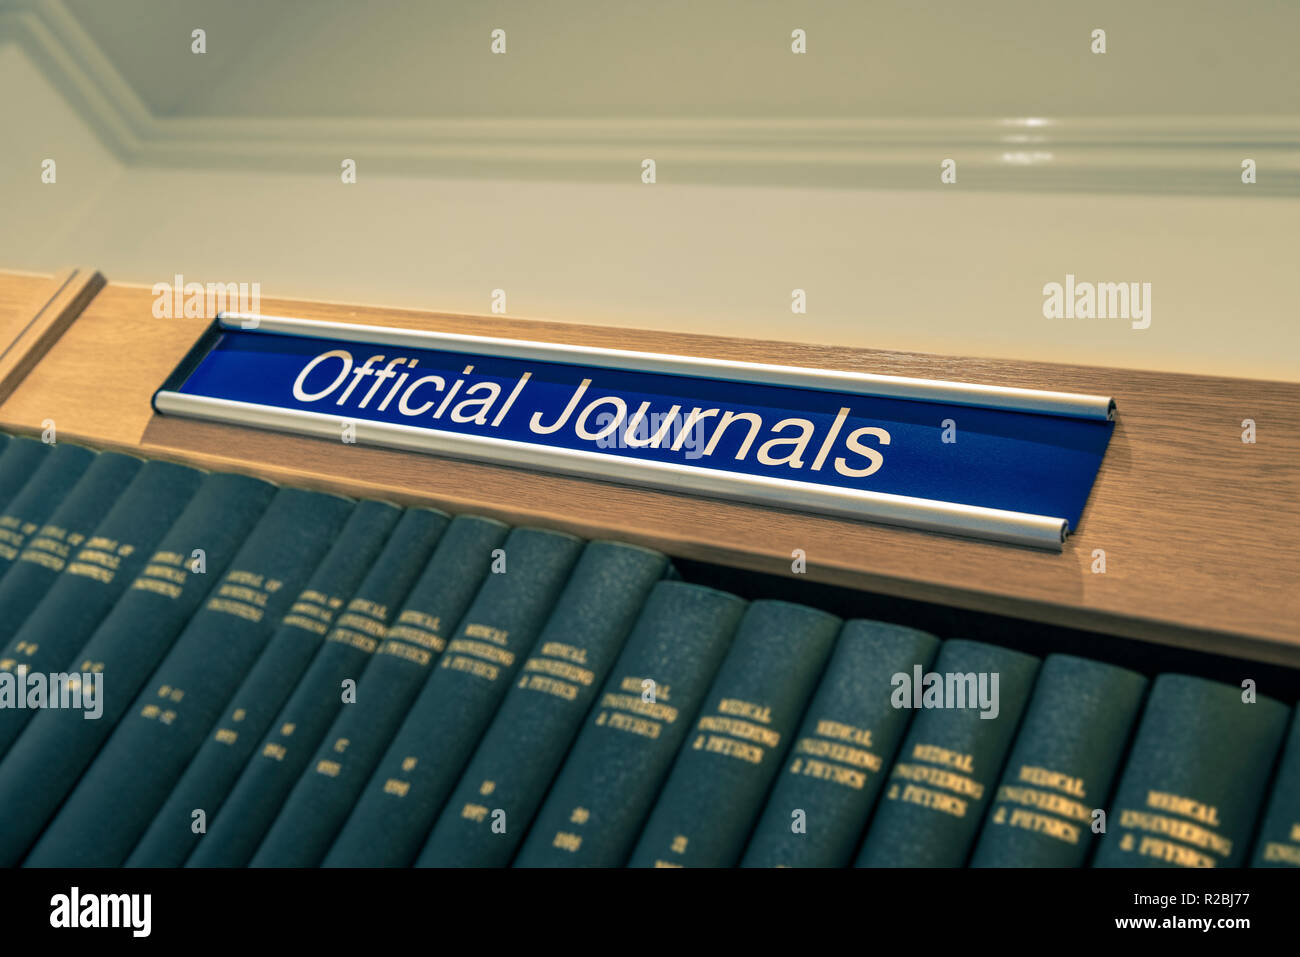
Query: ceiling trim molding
x=75, y=65
x=1140, y=154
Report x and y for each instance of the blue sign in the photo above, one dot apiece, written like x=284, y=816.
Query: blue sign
x=665, y=428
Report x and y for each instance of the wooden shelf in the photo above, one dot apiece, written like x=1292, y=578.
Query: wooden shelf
x=34, y=312
x=1199, y=530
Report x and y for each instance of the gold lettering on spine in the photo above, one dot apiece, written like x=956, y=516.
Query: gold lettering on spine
x=1166, y=838
x=1279, y=852
x=1173, y=853
x=942, y=768
x=1184, y=831
x=100, y=559
x=164, y=574
x=567, y=840
x=483, y=650
x=560, y=669
x=244, y=594
x=737, y=731
x=934, y=800
x=635, y=685
x=50, y=548
x=856, y=757
x=745, y=730
x=837, y=754
x=400, y=650
x=472, y=666
x=1206, y=814
x=729, y=747
x=559, y=689
x=313, y=611
x=497, y=636
x=1276, y=853
x=414, y=637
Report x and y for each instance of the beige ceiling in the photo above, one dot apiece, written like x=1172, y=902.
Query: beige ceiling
x=591, y=58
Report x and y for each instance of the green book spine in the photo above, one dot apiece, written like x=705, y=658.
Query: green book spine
x=120, y=793
x=19, y=461
x=1279, y=836
x=595, y=809
x=45, y=762
x=834, y=772
x=939, y=786
x=97, y=574
x=398, y=806
x=1195, y=779
x=487, y=815
x=46, y=553
x=740, y=739
x=387, y=687
x=1062, y=765
x=295, y=662
x=40, y=495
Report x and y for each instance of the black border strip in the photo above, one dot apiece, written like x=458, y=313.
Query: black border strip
x=197, y=353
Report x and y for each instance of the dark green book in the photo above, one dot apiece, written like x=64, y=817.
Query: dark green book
x=488, y=813
x=595, y=809
x=1195, y=779
x=484, y=649
x=46, y=553
x=19, y=461
x=1278, y=844
x=40, y=495
x=296, y=663
x=120, y=793
x=387, y=687
x=939, y=786
x=98, y=573
x=398, y=806
x=833, y=775
x=740, y=739
x=1062, y=766
x=49, y=756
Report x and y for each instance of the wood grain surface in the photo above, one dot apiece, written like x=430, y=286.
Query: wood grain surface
x=34, y=312
x=1199, y=529
x=22, y=296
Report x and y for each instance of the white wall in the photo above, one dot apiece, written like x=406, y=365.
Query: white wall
x=935, y=269
x=38, y=124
